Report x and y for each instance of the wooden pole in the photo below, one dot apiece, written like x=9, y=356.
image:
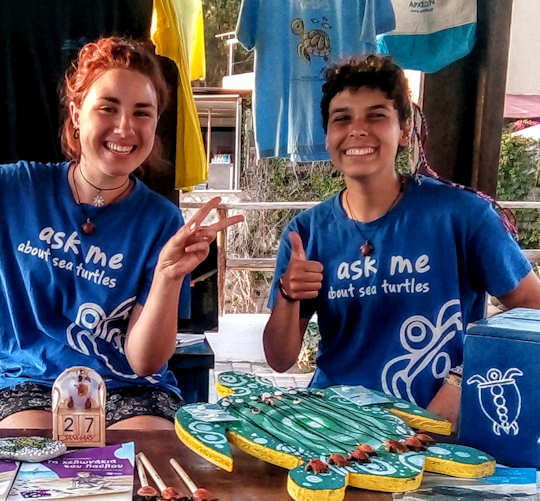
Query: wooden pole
x=222, y=260
x=464, y=104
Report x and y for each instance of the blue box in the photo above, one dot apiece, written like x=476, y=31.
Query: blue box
x=500, y=400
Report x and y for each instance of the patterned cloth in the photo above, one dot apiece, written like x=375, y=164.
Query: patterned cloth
x=121, y=403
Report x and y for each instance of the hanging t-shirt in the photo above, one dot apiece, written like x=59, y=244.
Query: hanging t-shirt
x=394, y=321
x=294, y=41
x=168, y=37
x=430, y=35
x=65, y=297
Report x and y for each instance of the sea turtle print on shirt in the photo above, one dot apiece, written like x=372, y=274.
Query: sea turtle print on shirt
x=313, y=42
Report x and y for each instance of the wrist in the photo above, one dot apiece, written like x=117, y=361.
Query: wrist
x=453, y=379
x=284, y=294
x=162, y=279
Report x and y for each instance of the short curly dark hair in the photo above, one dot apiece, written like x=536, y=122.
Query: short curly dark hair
x=376, y=72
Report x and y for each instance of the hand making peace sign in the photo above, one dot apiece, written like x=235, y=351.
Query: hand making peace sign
x=190, y=245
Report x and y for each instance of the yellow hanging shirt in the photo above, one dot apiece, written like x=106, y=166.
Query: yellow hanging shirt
x=168, y=37
x=189, y=14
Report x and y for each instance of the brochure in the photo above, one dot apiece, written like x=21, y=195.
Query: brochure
x=359, y=395
x=189, y=339
x=100, y=473
x=505, y=483
x=8, y=472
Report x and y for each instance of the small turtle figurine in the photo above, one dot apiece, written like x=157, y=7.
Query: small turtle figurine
x=316, y=42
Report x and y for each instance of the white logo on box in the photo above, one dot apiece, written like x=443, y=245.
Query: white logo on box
x=499, y=398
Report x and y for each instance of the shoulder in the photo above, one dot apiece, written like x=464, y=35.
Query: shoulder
x=319, y=216
x=26, y=175
x=438, y=194
x=156, y=207
x=26, y=170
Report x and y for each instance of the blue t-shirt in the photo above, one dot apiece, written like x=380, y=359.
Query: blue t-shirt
x=394, y=321
x=294, y=41
x=65, y=297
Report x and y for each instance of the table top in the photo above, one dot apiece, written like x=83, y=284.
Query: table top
x=198, y=356
x=250, y=480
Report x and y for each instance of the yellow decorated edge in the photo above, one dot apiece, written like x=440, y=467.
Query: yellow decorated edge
x=299, y=493
x=262, y=452
x=202, y=449
x=224, y=391
x=462, y=470
x=439, y=426
x=384, y=484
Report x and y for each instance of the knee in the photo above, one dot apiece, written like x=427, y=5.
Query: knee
x=142, y=423
x=34, y=418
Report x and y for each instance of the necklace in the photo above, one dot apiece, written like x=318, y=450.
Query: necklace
x=98, y=200
x=367, y=248
x=88, y=227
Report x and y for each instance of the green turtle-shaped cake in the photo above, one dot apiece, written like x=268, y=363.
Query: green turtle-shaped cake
x=328, y=439
x=313, y=42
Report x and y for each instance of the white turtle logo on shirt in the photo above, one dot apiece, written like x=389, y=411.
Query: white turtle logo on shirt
x=93, y=323
x=423, y=341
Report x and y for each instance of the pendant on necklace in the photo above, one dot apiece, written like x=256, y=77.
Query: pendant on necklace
x=98, y=200
x=367, y=249
x=88, y=227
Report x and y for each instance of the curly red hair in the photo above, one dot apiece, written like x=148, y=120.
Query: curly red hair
x=96, y=58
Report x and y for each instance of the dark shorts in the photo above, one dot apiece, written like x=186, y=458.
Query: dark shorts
x=121, y=403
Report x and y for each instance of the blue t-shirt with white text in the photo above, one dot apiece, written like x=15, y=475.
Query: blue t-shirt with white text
x=66, y=297
x=394, y=321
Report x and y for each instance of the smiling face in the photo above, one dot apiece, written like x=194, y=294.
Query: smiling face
x=117, y=124
x=364, y=133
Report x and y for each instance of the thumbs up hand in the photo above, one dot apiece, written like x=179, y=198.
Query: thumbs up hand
x=303, y=278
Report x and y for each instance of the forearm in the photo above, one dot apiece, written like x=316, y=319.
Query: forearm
x=446, y=403
x=151, y=338
x=525, y=295
x=283, y=334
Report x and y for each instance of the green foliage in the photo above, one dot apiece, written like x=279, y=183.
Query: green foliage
x=519, y=170
x=310, y=345
x=402, y=161
x=316, y=181
x=518, y=167
x=220, y=16
x=529, y=228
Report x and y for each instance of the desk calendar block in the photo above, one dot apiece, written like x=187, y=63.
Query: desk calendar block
x=78, y=405
x=500, y=403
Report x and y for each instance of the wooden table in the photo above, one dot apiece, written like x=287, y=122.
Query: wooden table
x=251, y=479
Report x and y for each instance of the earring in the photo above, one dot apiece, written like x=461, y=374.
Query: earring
x=76, y=134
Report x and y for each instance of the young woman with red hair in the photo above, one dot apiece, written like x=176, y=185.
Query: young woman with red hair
x=93, y=262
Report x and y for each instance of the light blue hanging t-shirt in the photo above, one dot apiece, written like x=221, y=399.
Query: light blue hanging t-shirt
x=394, y=321
x=66, y=297
x=429, y=34
x=294, y=41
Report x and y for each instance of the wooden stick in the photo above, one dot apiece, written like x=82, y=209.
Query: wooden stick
x=183, y=475
x=152, y=471
x=198, y=494
x=143, y=480
x=145, y=490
